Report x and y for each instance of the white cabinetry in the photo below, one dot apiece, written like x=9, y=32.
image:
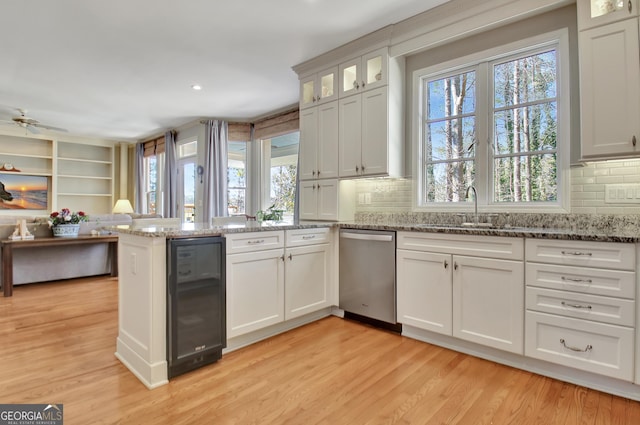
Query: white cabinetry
x=610, y=88
x=593, y=13
x=365, y=72
x=319, y=200
x=307, y=271
x=268, y=284
x=580, y=300
x=319, y=142
x=319, y=87
x=424, y=284
x=368, y=135
x=255, y=281
x=471, y=287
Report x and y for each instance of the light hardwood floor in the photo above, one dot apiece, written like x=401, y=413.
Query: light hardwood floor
x=57, y=342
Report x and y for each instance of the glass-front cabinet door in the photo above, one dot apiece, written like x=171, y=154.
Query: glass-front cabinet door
x=364, y=72
x=318, y=88
x=592, y=13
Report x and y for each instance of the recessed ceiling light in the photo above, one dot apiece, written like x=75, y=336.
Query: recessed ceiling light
x=196, y=87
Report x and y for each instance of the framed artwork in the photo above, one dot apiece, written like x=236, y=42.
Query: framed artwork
x=23, y=192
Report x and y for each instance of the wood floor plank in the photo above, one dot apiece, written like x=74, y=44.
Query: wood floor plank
x=57, y=344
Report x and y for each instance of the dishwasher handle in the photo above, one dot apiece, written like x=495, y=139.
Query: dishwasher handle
x=367, y=237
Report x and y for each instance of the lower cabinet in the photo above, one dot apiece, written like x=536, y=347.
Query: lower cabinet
x=488, y=302
x=424, y=296
x=470, y=297
x=306, y=280
x=268, y=286
x=255, y=290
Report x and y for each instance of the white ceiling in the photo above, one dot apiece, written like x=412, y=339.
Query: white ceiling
x=123, y=69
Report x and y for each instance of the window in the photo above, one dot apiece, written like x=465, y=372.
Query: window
x=186, y=152
x=151, y=185
x=512, y=98
x=281, y=163
x=237, y=177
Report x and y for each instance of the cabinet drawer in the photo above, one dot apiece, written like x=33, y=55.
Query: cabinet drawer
x=300, y=237
x=609, y=255
x=254, y=241
x=612, y=283
x=476, y=246
x=573, y=304
x=595, y=347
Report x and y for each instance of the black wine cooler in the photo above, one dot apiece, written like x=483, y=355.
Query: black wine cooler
x=196, y=303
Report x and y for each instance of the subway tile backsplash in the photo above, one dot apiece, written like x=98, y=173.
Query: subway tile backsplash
x=588, y=190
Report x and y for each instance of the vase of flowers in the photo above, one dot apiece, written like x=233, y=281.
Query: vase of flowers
x=66, y=224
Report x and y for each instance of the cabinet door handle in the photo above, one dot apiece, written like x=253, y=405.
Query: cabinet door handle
x=577, y=253
x=630, y=6
x=455, y=265
x=313, y=173
x=282, y=257
x=446, y=264
x=258, y=241
x=356, y=85
x=318, y=172
x=363, y=84
x=362, y=168
x=307, y=237
x=633, y=140
x=579, y=350
x=574, y=279
x=290, y=257
x=588, y=307
x=357, y=168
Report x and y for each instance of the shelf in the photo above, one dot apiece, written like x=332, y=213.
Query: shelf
x=72, y=176
x=25, y=172
x=22, y=155
x=84, y=194
x=92, y=161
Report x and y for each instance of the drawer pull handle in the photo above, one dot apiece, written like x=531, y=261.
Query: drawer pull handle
x=309, y=237
x=574, y=279
x=255, y=242
x=577, y=253
x=579, y=350
x=576, y=305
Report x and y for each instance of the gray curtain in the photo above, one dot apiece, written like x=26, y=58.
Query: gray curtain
x=139, y=176
x=214, y=191
x=169, y=209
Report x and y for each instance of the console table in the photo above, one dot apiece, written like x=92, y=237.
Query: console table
x=7, y=247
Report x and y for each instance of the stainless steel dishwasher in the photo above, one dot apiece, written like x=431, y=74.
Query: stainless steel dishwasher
x=368, y=273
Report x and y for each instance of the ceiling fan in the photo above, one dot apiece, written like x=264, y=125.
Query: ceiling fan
x=30, y=124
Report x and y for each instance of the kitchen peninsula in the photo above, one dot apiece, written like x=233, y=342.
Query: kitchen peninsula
x=555, y=299
x=255, y=255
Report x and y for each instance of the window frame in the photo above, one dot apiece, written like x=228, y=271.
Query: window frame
x=482, y=63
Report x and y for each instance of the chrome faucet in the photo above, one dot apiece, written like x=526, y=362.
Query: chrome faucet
x=475, y=202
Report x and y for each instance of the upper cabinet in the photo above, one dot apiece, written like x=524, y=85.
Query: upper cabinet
x=592, y=13
x=319, y=142
x=609, y=88
x=319, y=87
x=364, y=72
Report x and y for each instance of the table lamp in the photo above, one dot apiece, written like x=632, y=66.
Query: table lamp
x=122, y=206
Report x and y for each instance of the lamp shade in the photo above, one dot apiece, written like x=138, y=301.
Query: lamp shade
x=122, y=206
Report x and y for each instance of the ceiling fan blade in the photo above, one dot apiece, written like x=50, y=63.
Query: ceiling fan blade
x=32, y=129
x=48, y=127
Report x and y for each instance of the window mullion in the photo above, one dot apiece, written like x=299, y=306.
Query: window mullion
x=483, y=142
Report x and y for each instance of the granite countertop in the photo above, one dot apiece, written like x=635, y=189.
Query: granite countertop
x=201, y=229
x=604, y=235
x=579, y=231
